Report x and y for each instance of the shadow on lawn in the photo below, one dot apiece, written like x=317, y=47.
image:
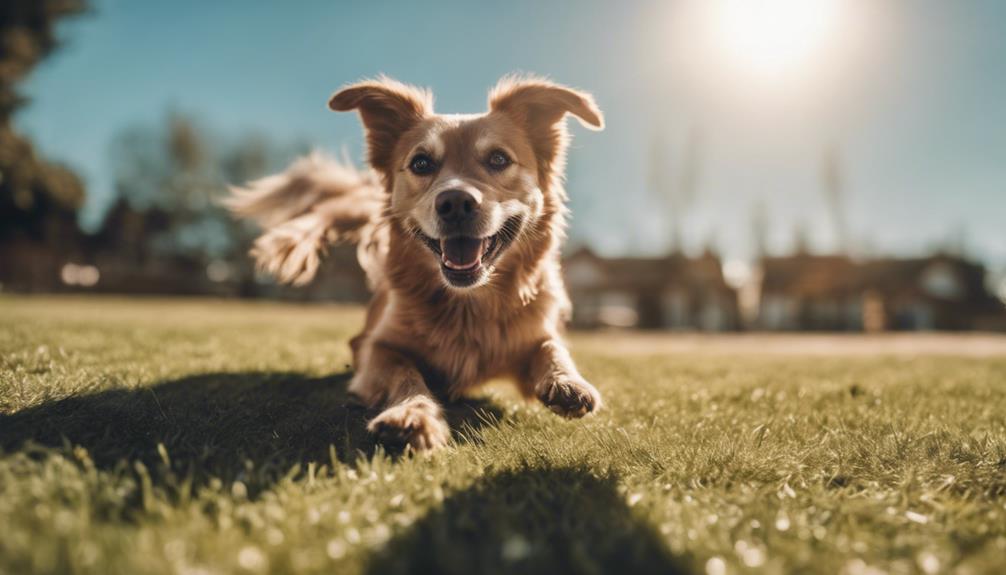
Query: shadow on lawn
x=257, y=426
x=249, y=426
x=559, y=520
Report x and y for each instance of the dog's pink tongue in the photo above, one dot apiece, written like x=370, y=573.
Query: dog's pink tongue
x=462, y=253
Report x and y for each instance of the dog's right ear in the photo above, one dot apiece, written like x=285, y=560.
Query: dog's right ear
x=387, y=108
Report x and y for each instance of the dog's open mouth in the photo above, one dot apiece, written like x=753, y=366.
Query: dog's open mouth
x=464, y=260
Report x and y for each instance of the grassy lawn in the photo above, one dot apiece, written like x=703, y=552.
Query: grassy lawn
x=200, y=437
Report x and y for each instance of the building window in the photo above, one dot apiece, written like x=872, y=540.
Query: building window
x=618, y=309
x=941, y=280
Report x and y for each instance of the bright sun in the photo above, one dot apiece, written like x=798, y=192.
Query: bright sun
x=776, y=38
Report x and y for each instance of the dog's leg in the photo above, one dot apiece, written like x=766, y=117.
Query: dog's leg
x=412, y=415
x=558, y=384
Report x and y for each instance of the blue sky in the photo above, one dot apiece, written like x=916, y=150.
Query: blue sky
x=913, y=99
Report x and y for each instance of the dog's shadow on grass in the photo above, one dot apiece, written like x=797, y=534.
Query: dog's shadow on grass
x=254, y=427
x=527, y=521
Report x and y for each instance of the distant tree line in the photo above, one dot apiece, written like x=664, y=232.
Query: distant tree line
x=165, y=212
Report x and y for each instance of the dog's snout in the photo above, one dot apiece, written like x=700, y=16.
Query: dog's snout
x=456, y=206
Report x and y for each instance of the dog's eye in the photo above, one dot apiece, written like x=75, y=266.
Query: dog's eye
x=422, y=165
x=499, y=161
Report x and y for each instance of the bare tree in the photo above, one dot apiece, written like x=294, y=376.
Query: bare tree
x=679, y=196
x=834, y=191
x=801, y=239
x=759, y=228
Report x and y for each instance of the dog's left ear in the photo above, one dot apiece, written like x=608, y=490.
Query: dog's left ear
x=539, y=101
x=540, y=106
x=388, y=108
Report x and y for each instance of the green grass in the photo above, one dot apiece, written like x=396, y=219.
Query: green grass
x=213, y=437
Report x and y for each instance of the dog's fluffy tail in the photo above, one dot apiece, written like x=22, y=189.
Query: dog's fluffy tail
x=316, y=202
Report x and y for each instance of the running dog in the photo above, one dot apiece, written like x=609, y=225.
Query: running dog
x=458, y=225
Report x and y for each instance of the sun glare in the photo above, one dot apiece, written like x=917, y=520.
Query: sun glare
x=775, y=38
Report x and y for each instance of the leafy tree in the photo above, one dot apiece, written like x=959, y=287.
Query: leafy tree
x=38, y=200
x=169, y=179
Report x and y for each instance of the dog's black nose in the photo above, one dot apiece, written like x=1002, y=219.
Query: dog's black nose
x=455, y=206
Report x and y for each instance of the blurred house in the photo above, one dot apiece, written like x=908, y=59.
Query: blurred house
x=837, y=293
x=673, y=292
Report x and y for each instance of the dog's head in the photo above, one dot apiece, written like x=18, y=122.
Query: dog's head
x=468, y=187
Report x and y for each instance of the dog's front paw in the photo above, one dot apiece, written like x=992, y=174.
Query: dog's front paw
x=569, y=396
x=415, y=422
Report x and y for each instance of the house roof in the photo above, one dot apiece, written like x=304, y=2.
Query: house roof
x=809, y=276
x=806, y=275
x=674, y=270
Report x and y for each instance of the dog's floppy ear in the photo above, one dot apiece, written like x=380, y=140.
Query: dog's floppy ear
x=540, y=101
x=388, y=108
x=540, y=106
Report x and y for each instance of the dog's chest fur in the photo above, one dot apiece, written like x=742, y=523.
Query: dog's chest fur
x=467, y=340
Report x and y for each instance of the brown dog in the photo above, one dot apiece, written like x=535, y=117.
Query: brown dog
x=459, y=226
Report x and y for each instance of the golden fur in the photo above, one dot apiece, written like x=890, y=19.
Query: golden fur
x=426, y=339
